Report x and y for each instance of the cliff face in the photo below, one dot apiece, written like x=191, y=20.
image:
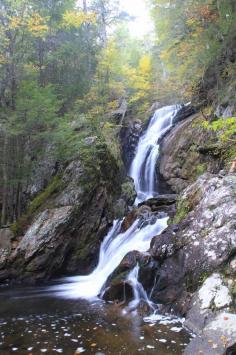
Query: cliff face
x=187, y=152
x=195, y=276
x=62, y=234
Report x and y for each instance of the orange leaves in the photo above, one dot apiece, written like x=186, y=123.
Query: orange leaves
x=206, y=12
x=201, y=13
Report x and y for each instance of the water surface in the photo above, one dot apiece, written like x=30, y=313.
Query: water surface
x=32, y=323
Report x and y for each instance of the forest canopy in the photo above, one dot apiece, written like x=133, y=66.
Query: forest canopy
x=67, y=64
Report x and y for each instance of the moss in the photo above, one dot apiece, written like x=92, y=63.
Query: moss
x=200, y=169
x=193, y=283
x=21, y=224
x=183, y=208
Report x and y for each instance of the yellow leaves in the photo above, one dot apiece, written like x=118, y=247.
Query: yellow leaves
x=77, y=19
x=145, y=64
x=37, y=25
x=192, y=22
x=113, y=105
x=3, y=59
x=15, y=22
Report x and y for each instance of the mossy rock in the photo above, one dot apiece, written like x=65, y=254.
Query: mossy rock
x=22, y=223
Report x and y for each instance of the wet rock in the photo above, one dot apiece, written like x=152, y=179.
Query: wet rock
x=144, y=308
x=119, y=291
x=129, y=220
x=169, y=281
x=183, y=113
x=162, y=203
x=147, y=272
x=129, y=137
x=127, y=264
x=143, y=213
x=160, y=200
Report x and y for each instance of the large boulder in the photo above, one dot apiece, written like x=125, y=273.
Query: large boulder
x=217, y=338
x=202, y=241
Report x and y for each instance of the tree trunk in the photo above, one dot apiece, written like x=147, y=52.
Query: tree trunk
x=85, y=7
x=5, y=187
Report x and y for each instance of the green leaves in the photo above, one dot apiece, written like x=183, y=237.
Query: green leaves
x=225, y=127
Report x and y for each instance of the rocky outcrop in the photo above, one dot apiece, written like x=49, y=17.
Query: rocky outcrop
x=210, y=318
x=186, y=152
x=200, y=240
x=129, y=137
x=6, y=237
x=67, y=228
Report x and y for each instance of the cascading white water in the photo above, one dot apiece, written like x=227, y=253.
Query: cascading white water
x=113, y=249
x=143, y=167
x=116, y=245
x=139, y=292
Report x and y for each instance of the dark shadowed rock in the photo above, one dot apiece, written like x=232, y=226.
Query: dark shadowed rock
x=183, y=113
x=129, y=137
x=160, y=200
x=119, y=291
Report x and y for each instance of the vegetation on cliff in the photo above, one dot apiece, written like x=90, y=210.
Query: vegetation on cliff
x=71, y=70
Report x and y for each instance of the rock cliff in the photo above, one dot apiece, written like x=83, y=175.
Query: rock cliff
x=63, y=233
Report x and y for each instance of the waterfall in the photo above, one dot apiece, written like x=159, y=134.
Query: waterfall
x=143, y=167
x=139, y=292
x=113, y=249
x=116, y=244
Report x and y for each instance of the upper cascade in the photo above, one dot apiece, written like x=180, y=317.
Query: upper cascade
x=143, y=167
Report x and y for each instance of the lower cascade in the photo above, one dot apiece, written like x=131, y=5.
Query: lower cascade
x=113, y=249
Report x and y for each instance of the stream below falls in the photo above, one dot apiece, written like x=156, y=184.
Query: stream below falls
x=31, y=323
x=69, y=316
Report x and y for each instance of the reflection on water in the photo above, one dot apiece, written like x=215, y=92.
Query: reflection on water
x=33, y=324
